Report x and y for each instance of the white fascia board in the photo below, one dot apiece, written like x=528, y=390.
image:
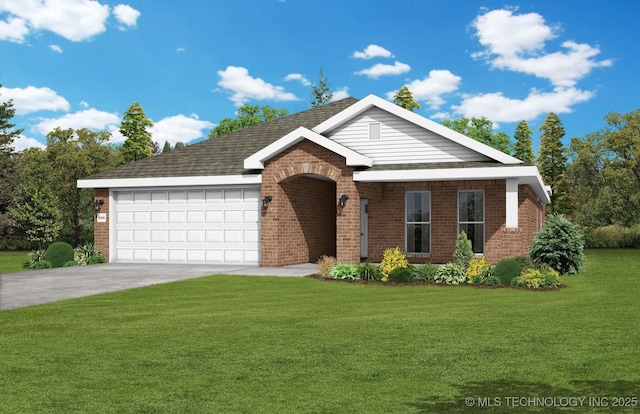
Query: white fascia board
x=171, y=181
x=525, y=174
x=373, y=100
x=257, y=160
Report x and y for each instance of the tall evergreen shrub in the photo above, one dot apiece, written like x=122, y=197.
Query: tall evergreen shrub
x=559, y=245
x=463, y=253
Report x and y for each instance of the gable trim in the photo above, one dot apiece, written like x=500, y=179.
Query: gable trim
x=370, y=101
x=257, y=160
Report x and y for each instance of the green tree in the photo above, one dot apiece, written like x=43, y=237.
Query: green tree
x=480, y=129
x=552, y=163
x=138, y=144
x=404, y=98
x=321, y=93
x=523, y=148
x=8, y=183
x=166, y=147
x=35, y=214
x=247, y=116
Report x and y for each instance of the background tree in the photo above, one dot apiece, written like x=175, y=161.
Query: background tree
x=247, y=116
x=166, y=147
x=523, y=148
x=8, y=186
x=138, y=142
x=321, y=93
x=552, y=162
x=404, y=98
x=480, y=129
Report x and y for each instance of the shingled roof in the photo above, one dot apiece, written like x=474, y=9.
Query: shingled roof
x=225, y=154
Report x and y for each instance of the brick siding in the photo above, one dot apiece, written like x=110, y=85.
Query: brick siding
x=101, y=230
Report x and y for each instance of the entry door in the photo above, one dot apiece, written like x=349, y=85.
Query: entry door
x=364, y=227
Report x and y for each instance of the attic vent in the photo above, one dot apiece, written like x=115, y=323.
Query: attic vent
x=375, y=130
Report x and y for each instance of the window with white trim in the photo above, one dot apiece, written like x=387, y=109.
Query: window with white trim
x=418, y=222
x=471, y=217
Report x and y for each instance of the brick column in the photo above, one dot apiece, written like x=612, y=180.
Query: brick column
x=101, y=230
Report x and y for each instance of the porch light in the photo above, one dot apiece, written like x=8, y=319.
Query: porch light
x=343, y=200
x=97, y=204
x=266, y=201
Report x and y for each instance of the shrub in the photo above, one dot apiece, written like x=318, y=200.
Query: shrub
x=34, y=258
x=344, y=271
x=425, y=273
x=43, y=264
x=463, y=253
x=325, y=265
x=489, y=281
x=87, y=254
x=545, y=277
x=450, y=274
x=402, y=274
x=392, y=258
x=507, y=270
x=612, y=236
x=559, y=245
x=477, y=269
x=59, y=253
x=369, y=271
x=70, y=264
x=525, y=262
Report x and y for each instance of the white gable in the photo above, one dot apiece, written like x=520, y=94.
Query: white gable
x=400, y=141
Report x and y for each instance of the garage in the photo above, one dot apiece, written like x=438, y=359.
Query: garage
x=187, y=225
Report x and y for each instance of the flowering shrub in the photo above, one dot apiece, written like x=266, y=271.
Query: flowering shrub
x=478, y=269
x=325, y=265
x=344, y=271
x=538, y=278
x=450, y=274
x=392, y=258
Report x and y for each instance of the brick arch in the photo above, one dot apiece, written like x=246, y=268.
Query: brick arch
x=306, y=168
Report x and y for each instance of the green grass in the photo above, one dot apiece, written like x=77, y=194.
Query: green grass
x=288, y=345
x=11, y=261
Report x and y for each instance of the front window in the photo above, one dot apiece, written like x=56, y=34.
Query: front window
x=471, y=217
x=418, y=221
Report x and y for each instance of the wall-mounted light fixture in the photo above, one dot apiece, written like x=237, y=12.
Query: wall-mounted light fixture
x=266, y=201
x=343, y=200
x=97, y=204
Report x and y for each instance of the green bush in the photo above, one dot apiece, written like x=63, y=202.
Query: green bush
x=34, y=259
x=450, y=274
x=463, y=253
x=489, y=281
x=525, y=262
x=87, y=254
x=344, y=271
x=43, y=264
x=425, y=273
x=613, y=236
x=369, y=271
x=545, y=277
x=402, y=274
x=559, y=245
x=96, y=260
x=506, y=270
x=59, y=253
x=70, y=264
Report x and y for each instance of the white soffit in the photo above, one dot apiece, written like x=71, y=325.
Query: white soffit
x=525, y=174
x=256, y=161
x=171, y=181
x=373, y=100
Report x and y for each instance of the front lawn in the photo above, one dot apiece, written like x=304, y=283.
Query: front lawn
x=288, y=345
x=11, y=261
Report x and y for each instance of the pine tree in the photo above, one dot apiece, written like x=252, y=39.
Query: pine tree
x=8, y=182
x=404, y=98
x=134, y=126
x=552, y=163
x=523, y=148
x=321, y=93
x=166, y=147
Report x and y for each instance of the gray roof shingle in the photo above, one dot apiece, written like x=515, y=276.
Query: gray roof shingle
x=225, y=154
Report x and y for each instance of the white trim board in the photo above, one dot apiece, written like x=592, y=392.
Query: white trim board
x=171, y=181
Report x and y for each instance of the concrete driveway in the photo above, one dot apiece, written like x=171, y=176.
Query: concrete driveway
x=50, y=285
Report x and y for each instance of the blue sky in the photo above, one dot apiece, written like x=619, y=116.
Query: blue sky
x=81, y=63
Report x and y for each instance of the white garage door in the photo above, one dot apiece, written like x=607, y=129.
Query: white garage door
x=192, y=225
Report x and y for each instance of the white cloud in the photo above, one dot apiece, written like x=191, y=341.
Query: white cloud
x=13, y=29
x=371, y=52
x=55, y=48
x=244, y=87
x=298, y=77
x=432, y=88
x=178, y=128
x=22, y=143
x=84, y=104
x=126, y=15
x=381, y=69
x=498, y=108
x=75, y=20
x=32, y=99
x=517, y=42
x=340, y=93
x=180, y=49
x=88, y=118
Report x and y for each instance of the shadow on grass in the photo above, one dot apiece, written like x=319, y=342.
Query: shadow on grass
x=509, y=397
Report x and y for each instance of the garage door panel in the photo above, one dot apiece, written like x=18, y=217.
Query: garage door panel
x=213, y=225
